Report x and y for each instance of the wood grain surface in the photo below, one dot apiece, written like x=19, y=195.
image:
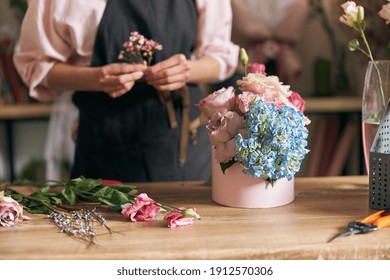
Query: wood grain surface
x=322, y=207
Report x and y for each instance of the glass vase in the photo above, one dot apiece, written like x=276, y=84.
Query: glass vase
x=374, y=103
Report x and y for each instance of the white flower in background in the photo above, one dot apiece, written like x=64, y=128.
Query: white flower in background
x=353, y=15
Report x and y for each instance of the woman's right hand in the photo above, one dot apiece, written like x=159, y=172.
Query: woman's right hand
x=118, y=78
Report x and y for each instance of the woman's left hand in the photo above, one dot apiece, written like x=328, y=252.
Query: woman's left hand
x=170, y=74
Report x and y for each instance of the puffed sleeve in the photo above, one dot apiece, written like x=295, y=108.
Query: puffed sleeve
x=52, y=32
x=214, y=35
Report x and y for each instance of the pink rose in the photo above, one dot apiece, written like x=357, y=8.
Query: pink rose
x=177, y=219
x=10, y=212
x=222, y=130
x=143, y=209
x=244, y=101
x=256, y=68
x=297, y=101
x=220, y=101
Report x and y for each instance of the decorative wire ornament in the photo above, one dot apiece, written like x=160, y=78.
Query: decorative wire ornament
x=80, y=224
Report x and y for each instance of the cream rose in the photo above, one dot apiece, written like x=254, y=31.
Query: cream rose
x=10, y=211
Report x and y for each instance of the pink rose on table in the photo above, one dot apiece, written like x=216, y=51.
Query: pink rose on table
x=143, y=209
x=219, y=101
x=297, y=101
x=222, y=130
x=10, y=212
x=256, y=68
x=180, y=218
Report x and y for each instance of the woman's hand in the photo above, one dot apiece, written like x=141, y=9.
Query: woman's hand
x=170, y=74
x=118, y=78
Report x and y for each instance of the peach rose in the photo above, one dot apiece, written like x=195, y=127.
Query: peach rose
x=268, y=88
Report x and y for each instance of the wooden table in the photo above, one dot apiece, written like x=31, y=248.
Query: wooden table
x=322, y=207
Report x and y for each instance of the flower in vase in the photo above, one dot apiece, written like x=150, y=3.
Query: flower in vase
x=259, y=125
x=354, y=17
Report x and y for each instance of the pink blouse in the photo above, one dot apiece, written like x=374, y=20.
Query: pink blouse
x=64, y=31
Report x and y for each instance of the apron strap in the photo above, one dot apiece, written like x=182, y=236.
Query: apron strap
x=185, y=97
x=166, y=98
x=186, y=126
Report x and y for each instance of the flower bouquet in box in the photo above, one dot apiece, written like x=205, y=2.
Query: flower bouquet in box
x=259, y=138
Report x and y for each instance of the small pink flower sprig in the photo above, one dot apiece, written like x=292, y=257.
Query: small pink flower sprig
x=139, y=49
x=146, y=209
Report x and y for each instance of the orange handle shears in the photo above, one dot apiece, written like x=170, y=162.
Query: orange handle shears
x=381, y=219
x=373, y=222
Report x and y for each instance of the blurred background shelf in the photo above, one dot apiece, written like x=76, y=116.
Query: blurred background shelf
x=25, y=111
x=314, y=105
x=334, y=134
x=335, y=141
x=342, y=104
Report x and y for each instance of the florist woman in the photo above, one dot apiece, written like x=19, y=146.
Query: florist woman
x=124, y=132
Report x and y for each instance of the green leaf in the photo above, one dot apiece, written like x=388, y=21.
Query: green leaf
x=87, y=184
x=123, y=188
x=38, y=210
x=53, y=194
x=45, y=189
x=40, y=196
x=17, y=197
x=33, y=204
x=111, y=196
x=69, y=195
x=57, y=200
x=226, y=165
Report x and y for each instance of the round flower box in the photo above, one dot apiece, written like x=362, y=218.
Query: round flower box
x=235, y=189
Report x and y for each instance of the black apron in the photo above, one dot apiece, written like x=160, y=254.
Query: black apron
x=129, y=138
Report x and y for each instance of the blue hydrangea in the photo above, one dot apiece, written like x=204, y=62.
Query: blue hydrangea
x=276, y=143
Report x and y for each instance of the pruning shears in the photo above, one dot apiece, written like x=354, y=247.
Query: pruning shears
x=373, y=222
